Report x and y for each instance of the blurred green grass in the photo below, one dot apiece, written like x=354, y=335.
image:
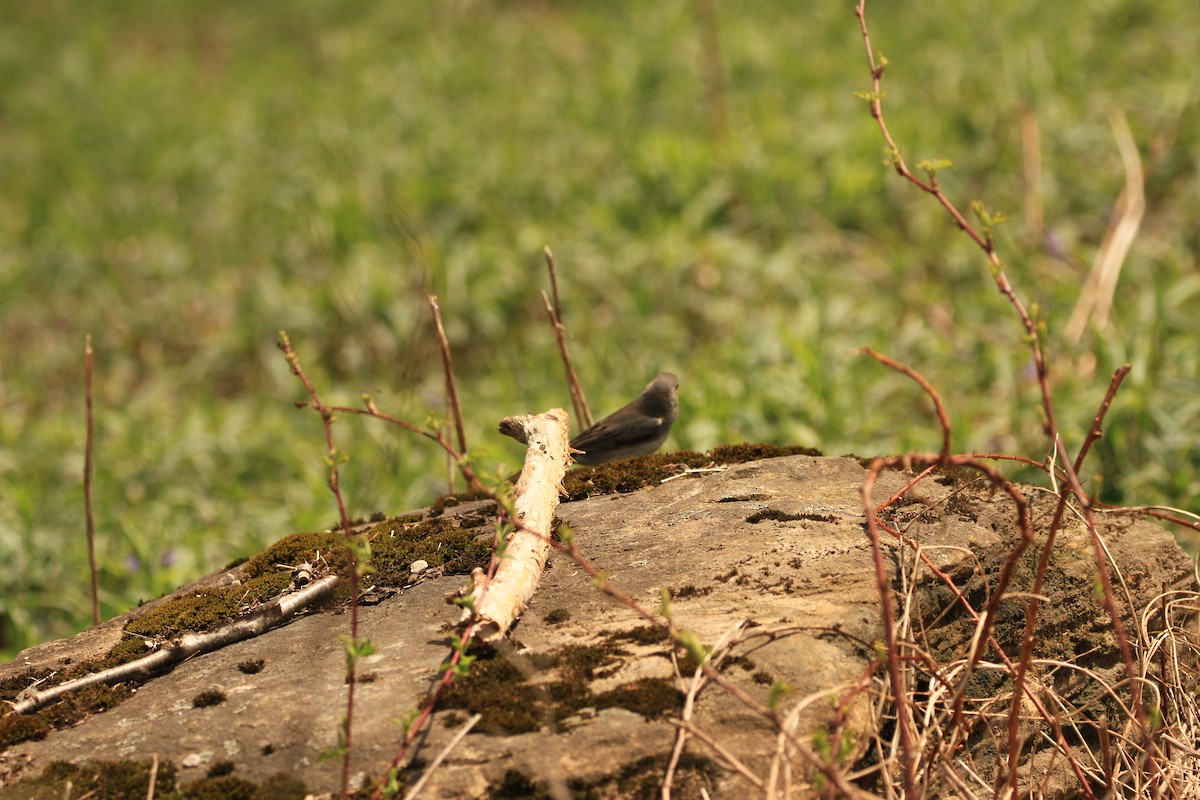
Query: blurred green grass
x=183, y=180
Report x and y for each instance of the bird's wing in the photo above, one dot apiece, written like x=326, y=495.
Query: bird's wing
x=611, y=436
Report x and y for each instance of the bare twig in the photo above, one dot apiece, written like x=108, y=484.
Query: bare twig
x=153, y=777
x=448, y=368
x=1097, y=430
x=88, y=468
x=188, y=646
x=943, y=418
x=578, y=401
x=333, y=457
x=463, y=730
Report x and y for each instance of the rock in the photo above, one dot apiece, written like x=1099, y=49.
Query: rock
x=773, y=550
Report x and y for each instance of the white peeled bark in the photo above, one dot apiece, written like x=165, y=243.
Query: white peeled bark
x=499, y=602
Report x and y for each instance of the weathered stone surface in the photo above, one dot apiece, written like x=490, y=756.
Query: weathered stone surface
x=805, y=568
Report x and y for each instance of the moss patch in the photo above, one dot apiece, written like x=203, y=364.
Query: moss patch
x=510, y=704
x=71, y=709
x=631, y=474
x=118, y=780
x=212, y=697
x=783, y=516
x=454, y=544
x=641, y=780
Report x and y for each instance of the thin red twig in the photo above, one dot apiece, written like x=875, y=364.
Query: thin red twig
x=578, y=401
x=1072, y=484
x=88, y=469
x=943, y=417
x=448, y=368
x=332, y=458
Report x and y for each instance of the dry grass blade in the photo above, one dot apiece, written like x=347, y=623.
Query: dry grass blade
x=437, y=762
x=1095, y=301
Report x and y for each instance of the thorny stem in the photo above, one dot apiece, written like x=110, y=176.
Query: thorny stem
x=332, y=456
x=1073, y=485
x=88, y=469
x=578, y=401
x=943, y=418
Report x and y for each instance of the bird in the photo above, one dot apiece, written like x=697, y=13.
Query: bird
x=636, y=429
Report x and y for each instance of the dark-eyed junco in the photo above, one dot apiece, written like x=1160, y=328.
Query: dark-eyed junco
x=637, y=429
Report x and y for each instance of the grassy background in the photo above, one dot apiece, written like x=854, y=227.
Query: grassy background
x=182, y=180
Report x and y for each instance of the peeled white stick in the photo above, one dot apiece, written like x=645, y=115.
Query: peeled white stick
x=499, y=602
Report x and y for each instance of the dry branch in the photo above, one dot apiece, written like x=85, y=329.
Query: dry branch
x=497, y=602
x=89, y=467
x=578, y=401
x=192, y=644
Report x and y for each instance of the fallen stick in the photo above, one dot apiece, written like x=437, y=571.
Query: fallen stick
x=192, y=644
x=496, y=604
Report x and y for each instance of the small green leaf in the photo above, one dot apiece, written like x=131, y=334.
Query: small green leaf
x=779, y=689
x=691, y=642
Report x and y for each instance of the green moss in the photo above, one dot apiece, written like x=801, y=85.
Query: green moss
x=224, y=787
x=516, y=785
x=510, y=705
x=495, y=689
x=128, y=649
x=757, y=451
x=67, y=711
x=298, y=548
x=119, y=780
x=100, y=780
x=446, y=542
x=650, y=697
x=783, y=516
x=644, y=634
x=17, y=728
x=690, y=591
x=631, y=474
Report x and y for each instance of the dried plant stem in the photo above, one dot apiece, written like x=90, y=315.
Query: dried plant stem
x=89, y=465
x=153, y=777
x=579, y=402
x=189, y=646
